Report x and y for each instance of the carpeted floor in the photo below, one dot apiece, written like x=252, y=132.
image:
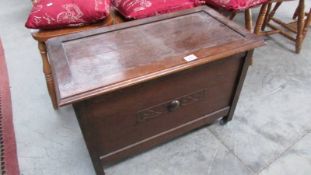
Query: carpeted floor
x=9, y=165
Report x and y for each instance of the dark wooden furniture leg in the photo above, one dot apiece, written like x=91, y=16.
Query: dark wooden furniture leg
x=99, y=169
x=48, y=73
x=232, y=15
x=271, y=14
x=261, y=18
x=247, y=63
x=296, y=13
x=277, y=5
x=307, y=23
x=300, y=25
x=264, y=25
x=248, y=20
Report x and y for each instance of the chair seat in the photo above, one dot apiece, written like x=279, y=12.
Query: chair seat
x=43, y=35
x=235, y=5
x=136, y=9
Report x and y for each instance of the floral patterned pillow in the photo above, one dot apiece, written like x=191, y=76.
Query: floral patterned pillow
x=136, y=9
x=235, y=4
x=50, y=14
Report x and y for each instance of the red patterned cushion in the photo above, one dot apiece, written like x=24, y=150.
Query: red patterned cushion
x=136, y=9
x=236, y=4
x=47, y=14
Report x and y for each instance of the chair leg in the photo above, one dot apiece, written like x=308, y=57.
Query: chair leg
x=300, y=25
x=249, y=25
x=248, y=20
x=271, y=14
x=48, y=73
x=261, y=18
x=267, y=17
x=277, y=5
x=296, y=13
x=232, y=15
x=307, y=24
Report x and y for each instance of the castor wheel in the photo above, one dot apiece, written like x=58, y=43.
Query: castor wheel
x=223, y=121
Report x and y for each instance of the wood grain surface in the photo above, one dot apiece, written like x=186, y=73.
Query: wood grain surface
x=100, y=61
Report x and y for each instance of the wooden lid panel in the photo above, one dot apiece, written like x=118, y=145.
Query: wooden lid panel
x=97, y=62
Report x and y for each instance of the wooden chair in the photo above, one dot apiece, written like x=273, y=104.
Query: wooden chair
x=247, y=18
x=41, y=36
x=247, y=13
x=295, y=30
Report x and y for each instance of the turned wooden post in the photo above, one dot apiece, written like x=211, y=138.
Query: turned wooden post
x=232, y=15
x=277, y=5
x=248, y=20
x=300, y=25
x=296, y=13
x=269, y=14
x=307, y=23
x=48, y=73
x=261, y=18
x=267, y=17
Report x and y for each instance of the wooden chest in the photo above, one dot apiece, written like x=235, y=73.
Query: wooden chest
x=141, y=83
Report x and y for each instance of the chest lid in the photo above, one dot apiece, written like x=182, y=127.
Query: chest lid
x=99, y=61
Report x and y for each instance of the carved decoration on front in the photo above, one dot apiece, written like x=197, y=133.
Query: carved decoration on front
x=170, y=106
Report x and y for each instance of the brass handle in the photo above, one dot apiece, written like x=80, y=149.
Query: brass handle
x=173, y=105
